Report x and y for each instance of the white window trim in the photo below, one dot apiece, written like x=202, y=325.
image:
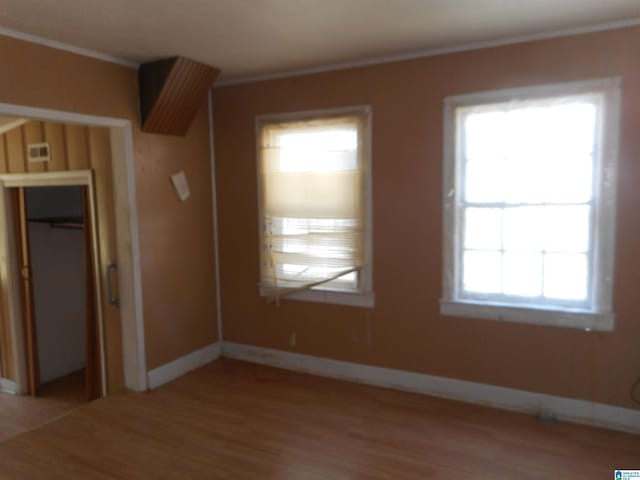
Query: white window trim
x=605, y=179
x=364, y=297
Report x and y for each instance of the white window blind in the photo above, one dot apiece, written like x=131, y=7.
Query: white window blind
x=312, y=204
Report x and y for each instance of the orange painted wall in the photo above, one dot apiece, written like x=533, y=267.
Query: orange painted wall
x=176, y=239
x=405, y=329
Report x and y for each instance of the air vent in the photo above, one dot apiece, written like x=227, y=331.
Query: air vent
x=38, y=152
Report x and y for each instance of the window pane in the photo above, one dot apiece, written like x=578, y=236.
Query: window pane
x=526, y=132
x=525, y=178
x=483, y=227
x=522, y=274
x=484, y=136
x=482, y=272
x=523, y=229
x=570, y=179
x=572, y=128
x=321, y=151
x=565, y=276
x=567, y=228
x=484, y=181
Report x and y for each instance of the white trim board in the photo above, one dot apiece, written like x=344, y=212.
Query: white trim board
x=570, y=410
x=180, y=366
x=8, y=386
x=499, y=42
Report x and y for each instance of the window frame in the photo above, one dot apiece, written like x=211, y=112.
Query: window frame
x=600, y=315
x=364, y=295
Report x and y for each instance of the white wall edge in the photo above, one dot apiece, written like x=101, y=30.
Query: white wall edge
x=137, y=383
x=8, y=386
x=499, y=42
x=180, y=366
x=567, y=409
x=7, y=32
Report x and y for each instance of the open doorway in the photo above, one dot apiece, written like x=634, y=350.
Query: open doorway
x=54, y=247
x=96, y=153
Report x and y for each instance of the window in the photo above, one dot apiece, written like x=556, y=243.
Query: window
x=529, y=204
x=315, y=222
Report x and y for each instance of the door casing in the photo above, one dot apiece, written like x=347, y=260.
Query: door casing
x=127, y=243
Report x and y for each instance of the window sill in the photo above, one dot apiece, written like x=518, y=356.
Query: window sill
x=365, y=300
x=581, y=319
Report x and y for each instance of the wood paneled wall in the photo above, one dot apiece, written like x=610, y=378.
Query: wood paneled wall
x=405, y=329
x=175, y=238
x=72, y=147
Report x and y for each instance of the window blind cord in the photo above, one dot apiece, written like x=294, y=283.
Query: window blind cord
x=288, y=291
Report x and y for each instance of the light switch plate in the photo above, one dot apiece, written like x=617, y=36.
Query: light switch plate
x=181, y=185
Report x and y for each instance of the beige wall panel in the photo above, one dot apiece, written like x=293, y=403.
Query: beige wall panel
x=3, y=154
x=77, y=147
x=15, y=150
x=54, y=135
x=32, y=133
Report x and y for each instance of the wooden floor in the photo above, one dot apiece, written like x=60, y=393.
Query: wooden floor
x=22, y=413
x=239, y=421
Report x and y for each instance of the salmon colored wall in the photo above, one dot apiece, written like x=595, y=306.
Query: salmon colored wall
x=405, y=329
x=176, y=239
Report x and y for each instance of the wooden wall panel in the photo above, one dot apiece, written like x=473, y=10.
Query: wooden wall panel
x=32, y=133
x=77, y=148
x=405, y=329
x=54, y=135
x=15, y=151
x=178, y=322
x=3, y=155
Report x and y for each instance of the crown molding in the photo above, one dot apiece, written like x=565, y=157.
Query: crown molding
x=66, y=47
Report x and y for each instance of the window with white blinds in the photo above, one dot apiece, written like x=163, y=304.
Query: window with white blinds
x=313, y=173
x=530, y=204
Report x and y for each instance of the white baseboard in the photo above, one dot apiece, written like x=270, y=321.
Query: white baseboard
x=8, y=386
x=172, y=370
x=571, y=410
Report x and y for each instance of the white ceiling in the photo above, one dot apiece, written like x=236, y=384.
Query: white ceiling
x=247, y=38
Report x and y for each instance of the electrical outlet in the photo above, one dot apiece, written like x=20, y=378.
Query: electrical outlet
x=292, y=339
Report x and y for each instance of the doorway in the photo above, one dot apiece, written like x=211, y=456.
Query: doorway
x=55, y=253
x=121, y=330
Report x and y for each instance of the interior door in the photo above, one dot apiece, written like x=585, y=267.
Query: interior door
x=24, y=265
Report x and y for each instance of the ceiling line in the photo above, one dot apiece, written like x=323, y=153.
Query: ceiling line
x=504, y=41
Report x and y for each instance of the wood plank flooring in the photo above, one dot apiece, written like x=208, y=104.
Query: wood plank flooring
x=22, y=413
x=235, y=420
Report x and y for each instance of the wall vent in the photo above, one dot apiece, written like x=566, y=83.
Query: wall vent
x=38, y=152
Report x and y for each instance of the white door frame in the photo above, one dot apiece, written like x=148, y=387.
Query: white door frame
x=11, y=276
x=127, y=243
